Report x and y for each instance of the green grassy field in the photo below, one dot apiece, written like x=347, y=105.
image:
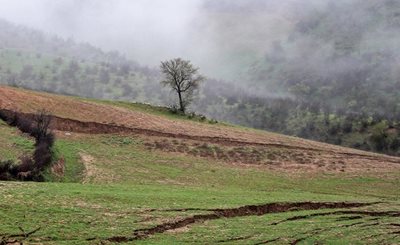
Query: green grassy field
x=127, y=187
x=12, y=143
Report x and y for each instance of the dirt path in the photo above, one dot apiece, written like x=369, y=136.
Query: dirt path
x=90, y=169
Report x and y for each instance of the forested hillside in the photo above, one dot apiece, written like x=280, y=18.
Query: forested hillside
x=341, y=65
x=332, y=75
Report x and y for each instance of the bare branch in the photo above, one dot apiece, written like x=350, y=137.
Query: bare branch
x=182, y=77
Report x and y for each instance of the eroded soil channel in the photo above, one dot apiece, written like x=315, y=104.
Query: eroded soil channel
x=71, y=125
x=249, y=210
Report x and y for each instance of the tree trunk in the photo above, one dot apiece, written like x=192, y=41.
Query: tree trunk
x=182, y=107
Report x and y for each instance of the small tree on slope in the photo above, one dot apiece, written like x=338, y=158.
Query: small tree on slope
x=183, y=78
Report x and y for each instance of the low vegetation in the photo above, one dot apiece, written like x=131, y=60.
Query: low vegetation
x=30, y=167
x=135, y=189
x=13, y=144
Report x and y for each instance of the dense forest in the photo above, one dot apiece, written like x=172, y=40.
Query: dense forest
x=334, y=76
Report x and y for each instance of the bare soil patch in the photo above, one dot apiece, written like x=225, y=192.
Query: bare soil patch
x=274, y=157
x=90, y=169
x=93, y=173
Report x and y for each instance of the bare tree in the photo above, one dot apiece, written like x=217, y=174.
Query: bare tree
x=183, y=78
x=42, y=121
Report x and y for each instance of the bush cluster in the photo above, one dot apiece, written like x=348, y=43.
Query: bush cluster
x=31, y=167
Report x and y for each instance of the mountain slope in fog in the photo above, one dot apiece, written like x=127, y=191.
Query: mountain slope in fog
x=326, y=70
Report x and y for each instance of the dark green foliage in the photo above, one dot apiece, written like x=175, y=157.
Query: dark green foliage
x=379, y=137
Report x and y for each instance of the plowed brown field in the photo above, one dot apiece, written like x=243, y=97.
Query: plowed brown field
x=79, y=115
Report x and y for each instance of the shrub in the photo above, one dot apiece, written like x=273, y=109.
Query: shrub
x=6, y=169
x=395, y=144
x=30, y=168
x=41, y=126
x=42, y=156
x=347, y=126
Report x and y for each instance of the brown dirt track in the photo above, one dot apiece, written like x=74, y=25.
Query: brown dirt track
x=81, y=116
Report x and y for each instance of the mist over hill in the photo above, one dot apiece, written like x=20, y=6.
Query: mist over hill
x=325, y=70
x=219, y=36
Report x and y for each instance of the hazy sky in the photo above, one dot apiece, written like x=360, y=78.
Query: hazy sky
x=227, y=39
x=146, y=29
x=217, y=35
x=222, y=37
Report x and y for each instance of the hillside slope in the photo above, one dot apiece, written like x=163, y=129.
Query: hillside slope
x=137, y=174
x=84, y=116
x=295, y=89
